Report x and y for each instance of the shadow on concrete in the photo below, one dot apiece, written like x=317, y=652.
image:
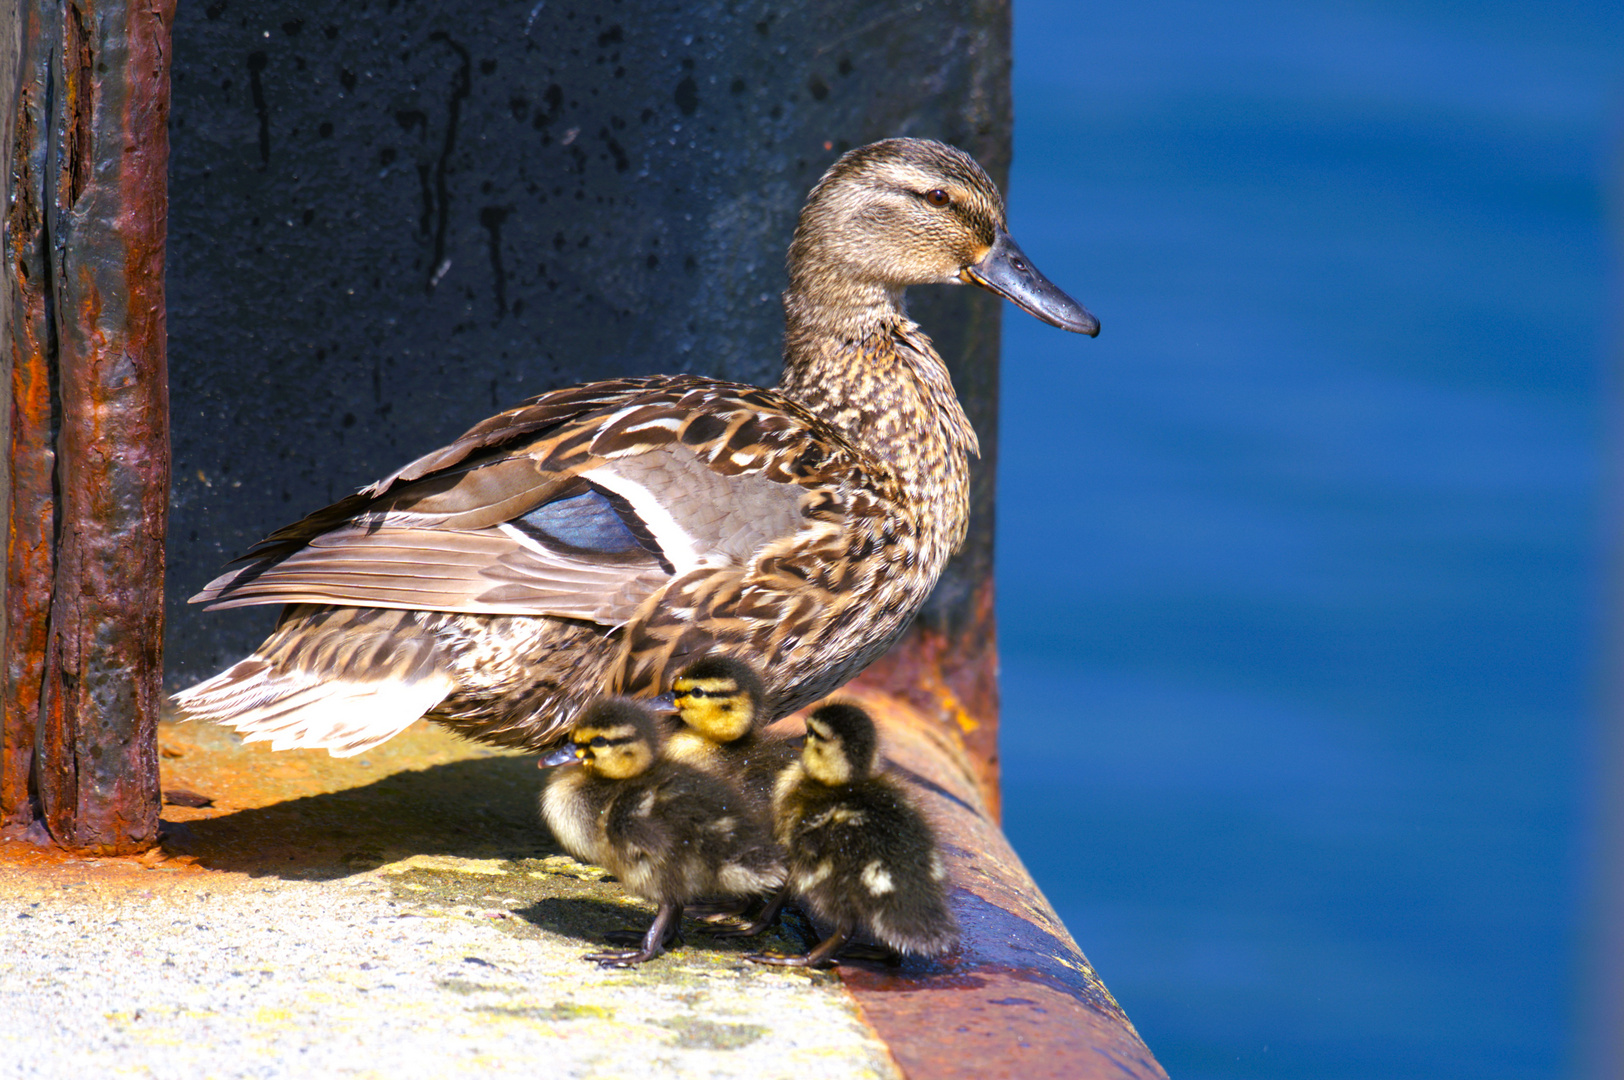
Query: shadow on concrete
x=484, y=808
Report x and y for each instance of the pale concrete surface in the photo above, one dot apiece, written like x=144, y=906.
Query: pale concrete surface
x=400, y=915
x=436, y=966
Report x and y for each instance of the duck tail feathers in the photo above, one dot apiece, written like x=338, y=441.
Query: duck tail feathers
x=300, y=709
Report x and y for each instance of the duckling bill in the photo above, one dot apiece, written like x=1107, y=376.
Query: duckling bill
x=599, y=538
x=861, y=855
x=669, y=832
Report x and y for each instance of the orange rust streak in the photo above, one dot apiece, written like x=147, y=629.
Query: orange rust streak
x=31, y=506
x=96, y=772
x=30, y=565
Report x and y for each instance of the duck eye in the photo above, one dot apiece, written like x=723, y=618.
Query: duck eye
x=598, y=741
x=937, y=197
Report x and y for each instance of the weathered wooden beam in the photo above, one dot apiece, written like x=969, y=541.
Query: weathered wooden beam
x=90, y=430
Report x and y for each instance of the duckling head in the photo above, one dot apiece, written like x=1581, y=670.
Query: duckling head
x=614, y=738
x=903, y=212
x=841, y=745
x=719, y=697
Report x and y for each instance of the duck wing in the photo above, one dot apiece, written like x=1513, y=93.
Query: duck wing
x=576, y=504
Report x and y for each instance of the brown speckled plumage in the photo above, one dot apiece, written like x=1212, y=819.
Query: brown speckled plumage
x=594, y=539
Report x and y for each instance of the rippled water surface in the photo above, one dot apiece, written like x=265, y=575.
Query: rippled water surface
x=1299, y=561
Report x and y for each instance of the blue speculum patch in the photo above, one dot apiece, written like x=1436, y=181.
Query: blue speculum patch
x=588, y=521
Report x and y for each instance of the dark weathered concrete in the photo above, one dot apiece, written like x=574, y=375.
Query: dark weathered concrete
x=390, y=220
x=89, y=477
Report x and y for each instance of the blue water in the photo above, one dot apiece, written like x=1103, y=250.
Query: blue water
x=1299, y=562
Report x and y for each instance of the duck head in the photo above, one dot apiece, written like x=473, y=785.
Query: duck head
x=841, y=745
x=903, y=212
x=614, y=738
x=719, y=697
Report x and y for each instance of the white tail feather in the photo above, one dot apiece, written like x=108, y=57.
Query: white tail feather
x=300, y=710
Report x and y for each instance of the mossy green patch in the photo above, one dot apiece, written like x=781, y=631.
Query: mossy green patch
x=697, y=1033
x=464, y=986
x=562, y=1010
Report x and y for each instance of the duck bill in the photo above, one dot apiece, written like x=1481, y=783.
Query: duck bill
x=564, y=755
x=1007, y=271
x=665, y=703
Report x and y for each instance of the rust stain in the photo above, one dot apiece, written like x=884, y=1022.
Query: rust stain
x=95, y=769
x=30, y=566
x=78, y=70
x=31, y=456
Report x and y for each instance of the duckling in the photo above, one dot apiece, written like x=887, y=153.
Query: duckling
x=861, y=855
x=720, y=702
x=669, y=832
x=596, y=539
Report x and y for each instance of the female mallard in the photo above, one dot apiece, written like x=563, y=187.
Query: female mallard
x=669, y=832
x=597, y=538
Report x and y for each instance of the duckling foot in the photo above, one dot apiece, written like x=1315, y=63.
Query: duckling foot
x=661, y=933
x=760, y=924
x=818, y=957
x=635, y=937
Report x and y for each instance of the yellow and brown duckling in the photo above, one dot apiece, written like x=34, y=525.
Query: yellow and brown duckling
x=721, y=702
x=668, y=831
x=596, y=539
x=861, y=855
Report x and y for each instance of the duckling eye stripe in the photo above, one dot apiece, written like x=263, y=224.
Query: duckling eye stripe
x=598, y=742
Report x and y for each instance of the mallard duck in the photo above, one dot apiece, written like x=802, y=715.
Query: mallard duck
x=595, y=539
x=668, y=831
x=861, y=855
x=719, y=700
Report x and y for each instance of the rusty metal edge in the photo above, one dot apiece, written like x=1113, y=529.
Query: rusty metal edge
x=1019, y=999
x=31, y=454
x=95, y=764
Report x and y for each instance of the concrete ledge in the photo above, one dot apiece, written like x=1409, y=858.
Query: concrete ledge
x=428, y=968
x=420, y=925
x=403, y=914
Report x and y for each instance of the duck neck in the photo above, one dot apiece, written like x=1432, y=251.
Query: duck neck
x=862, y=365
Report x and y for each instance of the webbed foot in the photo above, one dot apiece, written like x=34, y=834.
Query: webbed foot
x=662, y=932
x=622, y=958
x=824, y=954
